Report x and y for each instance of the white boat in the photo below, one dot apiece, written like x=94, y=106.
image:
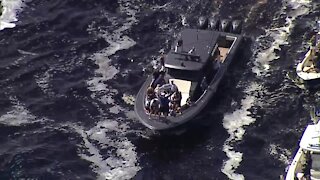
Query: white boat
x=306, y=163
x=308, y=70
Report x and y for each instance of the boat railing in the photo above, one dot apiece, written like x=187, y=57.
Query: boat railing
x=234, y=41
x=202, y=95
x=189, y=56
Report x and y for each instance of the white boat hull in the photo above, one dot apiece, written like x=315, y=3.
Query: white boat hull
x=307, y=159
x=296, y=165
x=308, y=70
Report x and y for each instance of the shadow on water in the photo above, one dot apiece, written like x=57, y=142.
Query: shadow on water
x=172, y=156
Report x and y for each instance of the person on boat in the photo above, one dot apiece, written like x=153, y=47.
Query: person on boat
x=307, y=166
x=173, y=87
x=161, y=60
x=316, y=51
x=217, y=60
x=167, y=89
x=157, y=90
x=178, y=110
x=175, y=101
x=187, y=105
x=150, y=95
x=314, y=66
x=158, y=78
x=147, y=105
x=164, y=104
x=317, y=64
x=204, y=84
x=172, y=112
x=158, y=72
x=155, y=107
x=155, y=74
x=313, y=45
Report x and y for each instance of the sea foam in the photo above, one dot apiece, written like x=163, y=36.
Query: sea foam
x=236, y=122
x=10, y=11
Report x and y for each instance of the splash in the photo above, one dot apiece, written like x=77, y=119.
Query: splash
x=117, y=41
x=119, y=160
x=280, y=153
x=112, y=154
x=43, y=81
x=19, y=115
x=264, y=55
x=10, y=11
x=128, y=99
x=234, y=123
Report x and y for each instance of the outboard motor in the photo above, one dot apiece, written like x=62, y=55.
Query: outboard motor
x=236, y=26
x=225, y=25
x=214, y=23
x=203, y=22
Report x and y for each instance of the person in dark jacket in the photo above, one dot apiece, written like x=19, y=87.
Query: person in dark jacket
x=164, y=104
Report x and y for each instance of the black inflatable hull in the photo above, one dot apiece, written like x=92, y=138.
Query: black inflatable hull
x=162, y=123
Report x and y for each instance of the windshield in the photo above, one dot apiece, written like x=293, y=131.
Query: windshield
x=182, y=74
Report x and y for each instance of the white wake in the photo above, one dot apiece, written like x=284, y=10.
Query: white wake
x=120, y=161
x=236, y=122
x=10, y=11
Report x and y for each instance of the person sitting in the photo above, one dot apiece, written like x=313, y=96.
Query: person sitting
x=176, y=100
x=150, y=93
x=165, y=89
x=307, y=165
x=187, y=105
x=155, y=106
x=313, y=67
x=172, y=113
x=157, y=90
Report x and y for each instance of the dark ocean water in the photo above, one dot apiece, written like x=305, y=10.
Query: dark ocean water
x=70, y=69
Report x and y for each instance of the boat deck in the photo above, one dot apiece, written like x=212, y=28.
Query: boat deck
x=223, y=53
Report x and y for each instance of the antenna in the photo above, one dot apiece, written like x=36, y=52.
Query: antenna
x=179, y=44
x=191, y=50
